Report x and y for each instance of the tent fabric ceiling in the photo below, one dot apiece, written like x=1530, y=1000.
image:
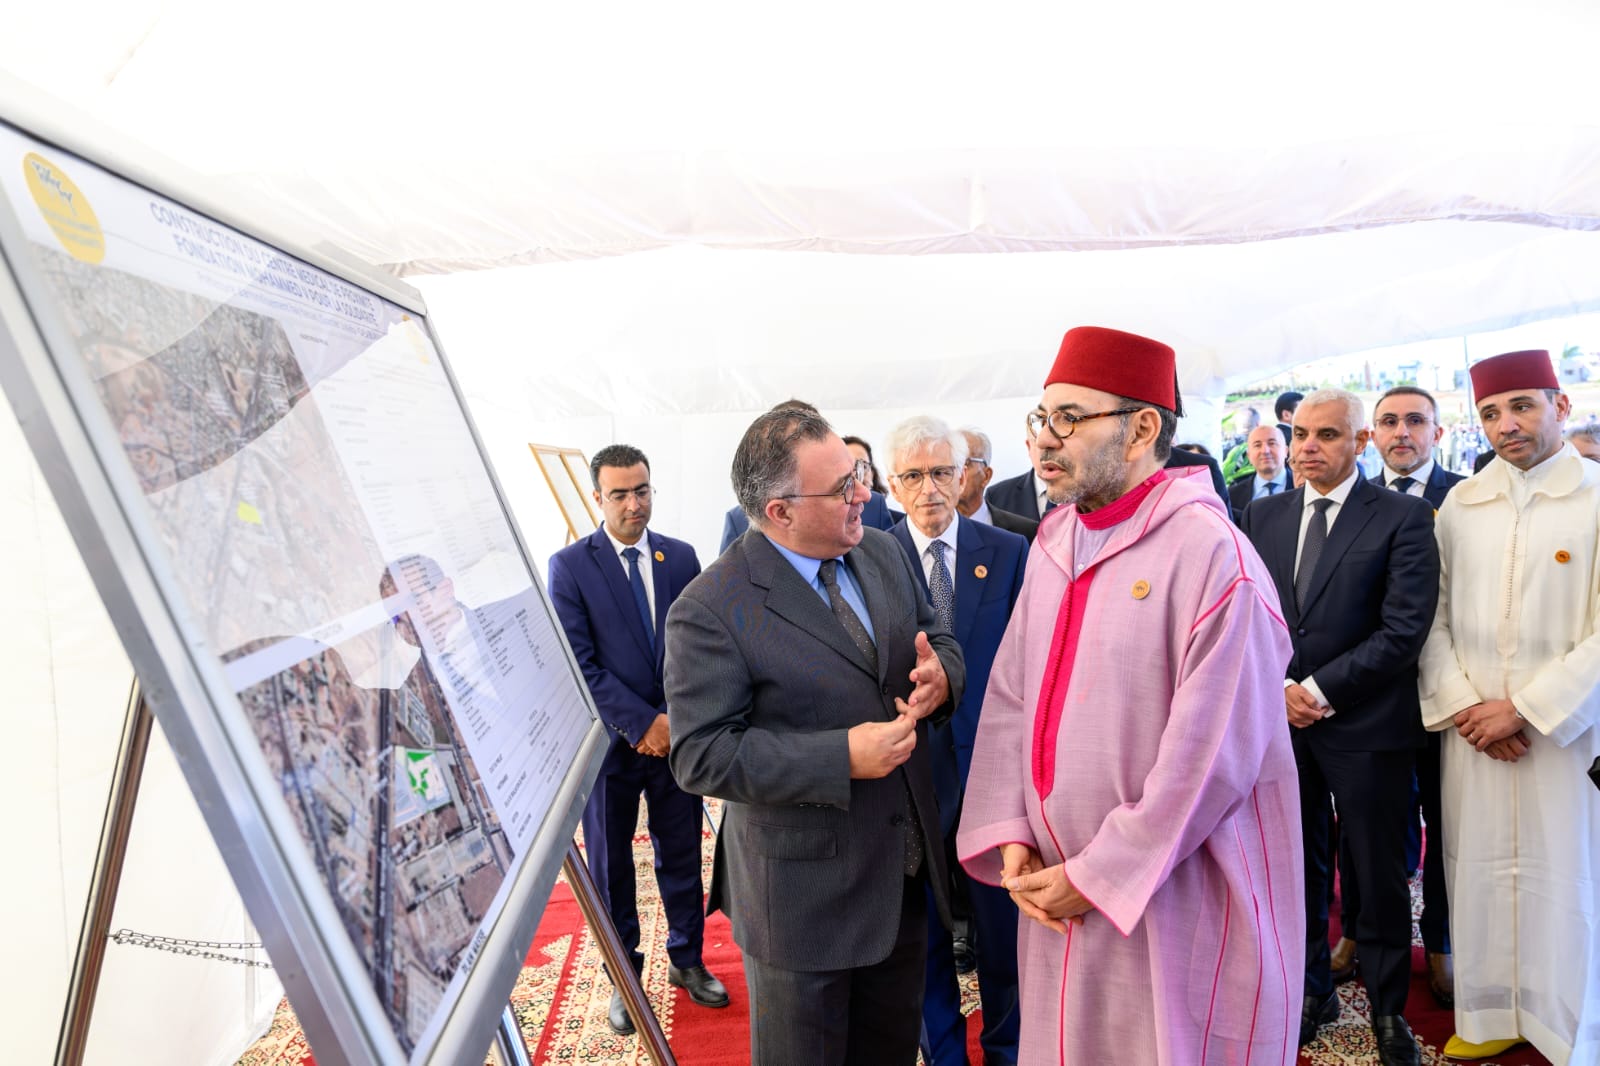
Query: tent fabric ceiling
x=601, y=186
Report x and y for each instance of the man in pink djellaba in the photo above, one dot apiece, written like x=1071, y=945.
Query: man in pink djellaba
x=1132, y=781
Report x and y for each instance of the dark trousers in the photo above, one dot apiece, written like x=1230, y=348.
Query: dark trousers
x=608, y=824
x=1371, y=790
x=1435, y=921
x=994, y=941
x=867, y=1016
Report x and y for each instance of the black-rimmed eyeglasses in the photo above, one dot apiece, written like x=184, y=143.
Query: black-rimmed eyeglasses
x=860, y=474
x=1063, y=424
x=642, y=494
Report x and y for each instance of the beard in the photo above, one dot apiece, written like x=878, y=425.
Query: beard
x=1095, y=482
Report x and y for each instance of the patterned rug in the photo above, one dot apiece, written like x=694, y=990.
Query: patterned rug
x=560, y=1000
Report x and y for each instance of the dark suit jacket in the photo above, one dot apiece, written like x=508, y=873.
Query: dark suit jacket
x=762, y=684
x=1242, y=491
x=1179, y=457
x=875, y=514
x=983, y=608
x=1440, y=482
x=589, y=588
x=1367, y=612
x=1014, y=494
x=1013, y=523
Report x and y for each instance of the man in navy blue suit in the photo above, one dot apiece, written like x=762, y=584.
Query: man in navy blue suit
x=611, y=591
x=971, y=573
x=1406, y=429
x=1357, y=573
x=875, y=514
x=1267, y=452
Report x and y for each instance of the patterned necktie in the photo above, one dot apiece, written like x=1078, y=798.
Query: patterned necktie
x=1402, y=484
x=636, y=579
x=1311, y=551
x=829, y=573
x=939, y=588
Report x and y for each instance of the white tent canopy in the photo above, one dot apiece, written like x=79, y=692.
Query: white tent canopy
x=644, y=222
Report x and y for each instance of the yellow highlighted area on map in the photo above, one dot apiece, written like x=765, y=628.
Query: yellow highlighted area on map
x=65, y=209
x=248, y=513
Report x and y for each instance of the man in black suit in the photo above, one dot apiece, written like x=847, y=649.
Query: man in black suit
x=1357, y=573
x=1406, y=430
x=800, y=668
x=971, y=503
x=1267, y=451
x=1285, y=406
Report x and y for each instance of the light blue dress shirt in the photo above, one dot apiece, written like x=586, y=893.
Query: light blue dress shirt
x=808, y=568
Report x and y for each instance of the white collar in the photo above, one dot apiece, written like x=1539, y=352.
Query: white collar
x=643, y=543
x=1420, y=475
x=1338, y=494
x=921, y=540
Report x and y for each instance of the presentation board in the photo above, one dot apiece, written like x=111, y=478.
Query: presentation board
x=269, y=470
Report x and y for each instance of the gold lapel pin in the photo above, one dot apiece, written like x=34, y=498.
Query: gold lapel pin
x=660, y=558
x=1563, y=556
x=1141, y=589
x=980, y=571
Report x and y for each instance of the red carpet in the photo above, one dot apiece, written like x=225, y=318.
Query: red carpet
x=561, y=997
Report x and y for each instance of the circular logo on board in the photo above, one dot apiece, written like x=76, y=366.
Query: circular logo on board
x=65, y=209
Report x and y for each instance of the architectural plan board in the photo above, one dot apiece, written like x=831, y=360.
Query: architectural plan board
x=270, y=472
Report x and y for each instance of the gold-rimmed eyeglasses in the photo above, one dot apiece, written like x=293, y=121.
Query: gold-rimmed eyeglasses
x=942, y=476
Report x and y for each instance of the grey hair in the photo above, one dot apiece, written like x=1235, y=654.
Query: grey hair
x=1355, y=411
x=985, y=449
x=924, y=431
x=1588, y=431
x=764, y=465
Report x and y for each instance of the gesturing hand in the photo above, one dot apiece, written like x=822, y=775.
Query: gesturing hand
x=876, y=748
x=932, y=686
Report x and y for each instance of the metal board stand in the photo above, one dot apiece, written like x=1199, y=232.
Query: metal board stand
x=508, y=1048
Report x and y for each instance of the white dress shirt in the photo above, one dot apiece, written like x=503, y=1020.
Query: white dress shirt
x=1338, y=495
x=646, y=565
x=947, y=547
x=1420, y=475
x=982, y=513
x=1041, y=494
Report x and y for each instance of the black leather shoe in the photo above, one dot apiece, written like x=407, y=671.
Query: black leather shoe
x=966, y=961
x=1396, y=1045
x=701, y=986
x=617, y=1015
x=1315, y=1013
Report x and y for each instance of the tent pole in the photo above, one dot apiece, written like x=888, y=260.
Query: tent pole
x=619, y=967
x=113, y=849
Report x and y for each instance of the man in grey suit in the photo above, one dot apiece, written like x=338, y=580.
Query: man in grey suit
x=800, y=668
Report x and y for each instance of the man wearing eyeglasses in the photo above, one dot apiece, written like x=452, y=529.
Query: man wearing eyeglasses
x=1406, y=429
x=802, y=668
x=611, y=591
x=975, y=479
x=972, y=574
x=1132, y=783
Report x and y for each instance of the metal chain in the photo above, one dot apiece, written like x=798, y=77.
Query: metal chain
x=197, y=949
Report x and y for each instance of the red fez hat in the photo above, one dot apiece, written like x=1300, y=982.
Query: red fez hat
x=1514, y=370
x=1124, y=364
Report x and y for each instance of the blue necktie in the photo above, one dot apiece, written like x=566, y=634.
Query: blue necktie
x=636, y=579
x=1270, y=487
